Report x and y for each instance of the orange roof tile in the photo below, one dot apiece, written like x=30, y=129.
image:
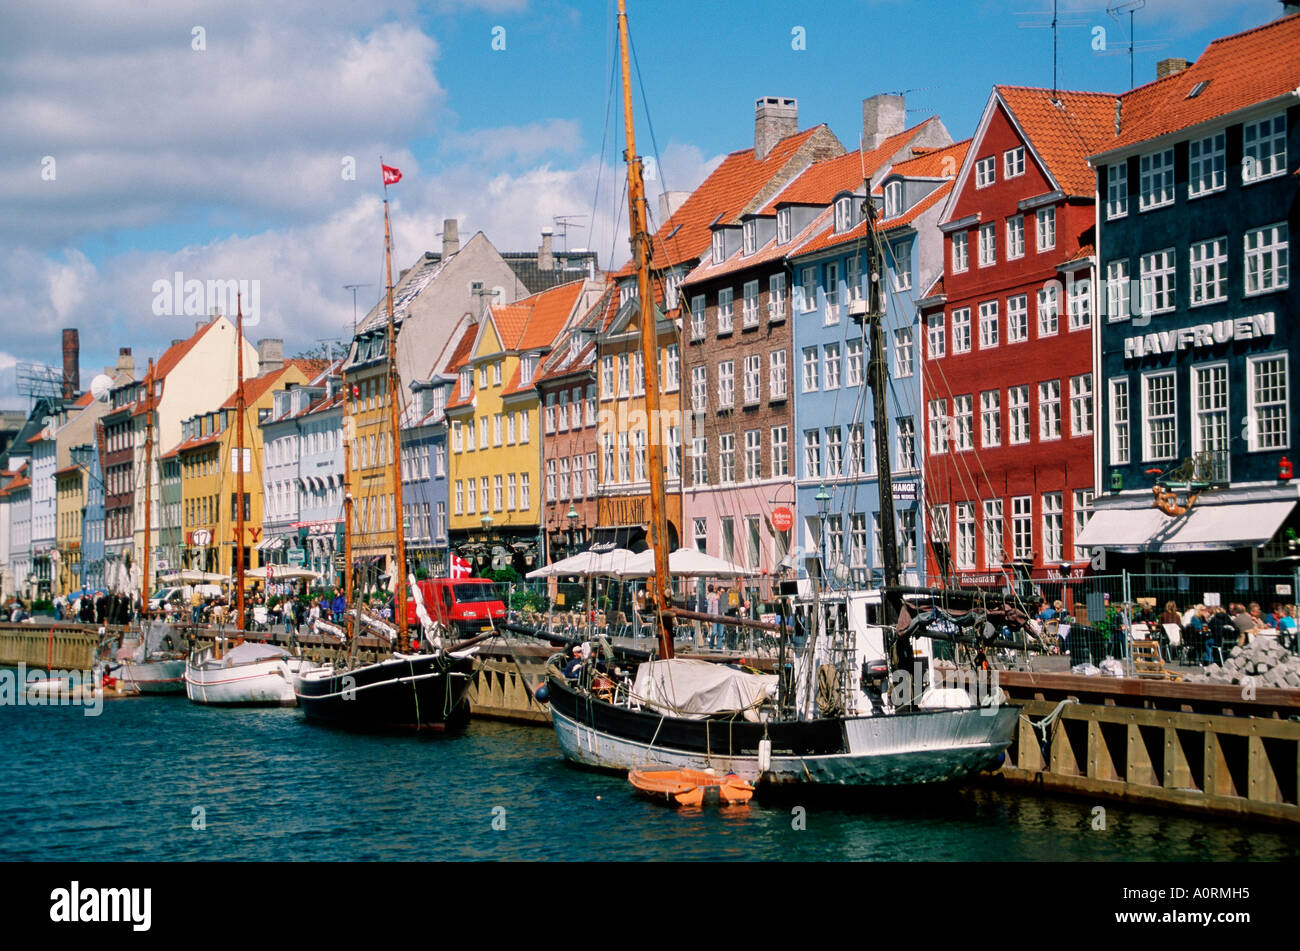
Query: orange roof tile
x=66, y=470
x=934, y=163
x=825, y=237
x=257, y=387
x=1065, y=134
x=1241, y=70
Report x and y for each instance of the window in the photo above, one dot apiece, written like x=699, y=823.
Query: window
x=960, y=251
x=753, y=455
x=776, y=375
x=701, y=532
x=843, y=214
x=624, y=458
x=853, y=363
x=812, y=453
x=1157, y=180
x=939, y=522
x=496, y=490
x=1049, y=309
x=1267, y=259
x=988, y=245
x=965, y=535
x=1013, y=162
x=782, y=225
x=749, y=235
x=905, y=431
x=1081, y=405
x=752, y=529
x=963, y=430
x=938, y=415
x=990, y=419
x=672, y=286
x=607, y=375
x=1119, y=422
x=699, y=388
x=524, y=502
x=564, y=477
x=1046, y=229
x=1158, y=281
x=622, y=374
x=903, y=352
x=726, y=384
x=697, y=324
x=1160, y=424
x=749, y=309
x=1209, y=261
x=1015, y=237
x=1117, y=189
x=483, y=494
x=548, y=415
x=1053, y=528
x=1267, y=397
x=808, y=288
x=1082, y=512
x=1205, y=166
x=592, y=484
x=776, y=297
x=699, y=461
x=1210, y=407
x=1264, y=149
x=780, y=451
x=457, y=437
x=496, y=430
x=986, y=171
x=1049, y=410
x=523, y=427
x=460, y=498
x=1080, y=293
x=638, y=455
x=753, y=372
x=1018, y=414
x=725, y=322
x=832, y=355
x=482, y=377
x=638, y=374
x=834, y=452
x=1117, y=290
x=903, y=266
x=719, y=247
x=857, y=449
x=1018, y=318
x=961, y=330
x=832, y=292
x=935, y=336
x=858, y=540
x=810, y=369
x=1022, y=526
x=893, y=199
x=993, y=553
x=496, y=371
x=906, y=522
x=577, y=477
x=988, y=324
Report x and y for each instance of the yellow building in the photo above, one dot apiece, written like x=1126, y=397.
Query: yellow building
x=206, y=455
x=70, y=502
x=493, y=420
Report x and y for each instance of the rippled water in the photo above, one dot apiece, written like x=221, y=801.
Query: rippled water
x=126, y=786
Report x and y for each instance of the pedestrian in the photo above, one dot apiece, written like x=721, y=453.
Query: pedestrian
x=1219, y=629
x=715, y=634
x=1247, y=622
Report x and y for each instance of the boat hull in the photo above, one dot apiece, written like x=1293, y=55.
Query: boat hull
x=903, y=749
x=411, y=692
x=261, y=683
x=162, y=676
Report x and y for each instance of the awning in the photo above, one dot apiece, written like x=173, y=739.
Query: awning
x=608, y=537
x=1203, y=528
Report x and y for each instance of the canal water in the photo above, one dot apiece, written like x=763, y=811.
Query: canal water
x=160, y=779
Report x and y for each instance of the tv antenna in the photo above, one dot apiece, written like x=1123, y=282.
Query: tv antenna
x=1131, y=7
x=38, y=381
x=353, y=289
x=1056, y=23
x=562, y=225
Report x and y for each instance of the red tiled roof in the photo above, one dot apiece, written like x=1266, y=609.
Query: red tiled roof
x=1241, y=70
x=935, y=289
x=458, y=359
x=259, y=386
x=827, y=238
x=66, y=470
x=1063, y=135
x=544, y=316
x=84, y=400
x=195, y=442
x=934, y=163
x=177, y=351
x=1084, y=252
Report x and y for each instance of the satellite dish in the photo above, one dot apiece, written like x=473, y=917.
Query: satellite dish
x=100, y=386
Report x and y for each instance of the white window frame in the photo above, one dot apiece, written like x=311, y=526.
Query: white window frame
x=1015, y=237
x=1046, y=219
x=986, y=171
x=1269, y=260
x=1208, y=267
x=1159, y=282
x=1017, y=318
x=1018, y=420
x=1049, y=410
x=1254, y=405
x=988, y=324
x=749, y=305
x=1156, y=180
x=988, y=244
x=1013, y=162
x=1117, y=190
x=1121, y=426
x=990, y=419
x=1264, y=151
x=961, y=330
x=1150, y=453
x=960, y=251
x=1117, y=290
x=1206, y=165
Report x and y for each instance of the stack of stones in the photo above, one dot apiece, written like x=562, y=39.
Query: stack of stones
x=1264, y=662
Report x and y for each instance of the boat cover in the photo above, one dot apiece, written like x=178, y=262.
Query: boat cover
x=696, y=688
x=248, y=652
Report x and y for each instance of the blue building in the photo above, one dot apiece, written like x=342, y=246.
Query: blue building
x=314, y=536
x=92, y=522
x=1196, y=203
x=834, y=441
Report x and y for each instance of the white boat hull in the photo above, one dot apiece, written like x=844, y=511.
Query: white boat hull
x=268, y=682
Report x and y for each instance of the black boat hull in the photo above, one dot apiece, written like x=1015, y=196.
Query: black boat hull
x=418, y=692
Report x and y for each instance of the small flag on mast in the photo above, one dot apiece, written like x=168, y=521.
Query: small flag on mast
x=391, y=175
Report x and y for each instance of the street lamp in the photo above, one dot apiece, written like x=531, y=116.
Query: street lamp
x=572, y=516
x=823, y=500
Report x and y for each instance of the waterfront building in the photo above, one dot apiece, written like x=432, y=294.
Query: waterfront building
x=1196, y=190
x=70, y=492
x=1009, y=390
x=318, y=530
x=92, y=523
x=19, y=494
x=832, y=440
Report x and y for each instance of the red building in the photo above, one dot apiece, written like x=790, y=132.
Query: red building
x=1008, y=385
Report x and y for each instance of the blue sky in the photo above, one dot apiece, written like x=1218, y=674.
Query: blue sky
x=224, y=161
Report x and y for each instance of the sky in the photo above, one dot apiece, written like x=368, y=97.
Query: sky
x=240, y=141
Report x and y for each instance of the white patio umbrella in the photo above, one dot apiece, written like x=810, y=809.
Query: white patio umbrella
x=686, y=563
x=573, y=565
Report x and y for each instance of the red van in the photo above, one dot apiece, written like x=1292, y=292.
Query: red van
x=466, y=605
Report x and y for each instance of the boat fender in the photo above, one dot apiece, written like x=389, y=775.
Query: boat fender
x=542, y=693
x=764, y=755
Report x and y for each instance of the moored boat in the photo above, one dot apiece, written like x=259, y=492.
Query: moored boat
x=248, y=675
x=401, y=692
x=691, y=787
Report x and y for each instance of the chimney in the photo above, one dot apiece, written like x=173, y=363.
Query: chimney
x=545, y=259
x=669, y=202
x=775, y=118
x=71, y=364
x=125, y=362
x=270, y=355
x=199, y=325
x=450, y=238
x=883, y=115
x=1167, y=67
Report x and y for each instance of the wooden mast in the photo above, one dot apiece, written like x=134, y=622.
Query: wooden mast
x=649, y=352
x=349, y=433
x=239, y=464
x=395, y=463
x=148, y=488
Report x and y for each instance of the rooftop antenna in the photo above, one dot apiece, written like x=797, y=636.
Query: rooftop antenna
x=38, y=381
x=1130, y=7
x=562, y=225
x=353, y=289
x=1056, y=24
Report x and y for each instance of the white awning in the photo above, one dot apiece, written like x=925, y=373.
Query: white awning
x=1203, y=528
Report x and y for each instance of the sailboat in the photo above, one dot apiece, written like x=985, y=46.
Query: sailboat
x=420, y=686
x=832, y=726
x=240, y=674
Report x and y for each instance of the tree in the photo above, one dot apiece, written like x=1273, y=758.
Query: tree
x=324, y=350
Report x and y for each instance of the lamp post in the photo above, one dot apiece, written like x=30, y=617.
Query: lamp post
x=823, y=500
x=572, y=516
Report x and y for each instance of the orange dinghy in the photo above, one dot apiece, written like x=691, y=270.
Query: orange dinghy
x=691, y=787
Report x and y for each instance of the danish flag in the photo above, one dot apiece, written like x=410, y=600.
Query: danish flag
x=459, y=567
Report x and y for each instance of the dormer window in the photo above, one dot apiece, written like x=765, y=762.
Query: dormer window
x=527, y=364
x=626, y=291
x=843, y=214
x=893, y=199
x=751, y=236
x=466, y=381
x=719, y=255
x=575, y=344
x=783, y=226
x=672, y=282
